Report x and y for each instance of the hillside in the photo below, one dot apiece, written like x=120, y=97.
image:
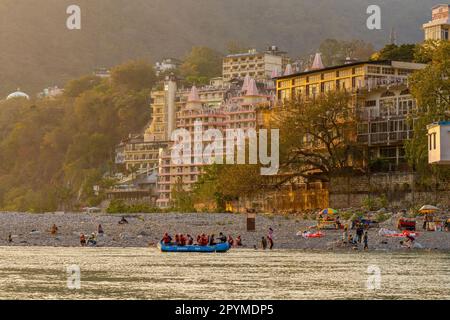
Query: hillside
x=37, y=50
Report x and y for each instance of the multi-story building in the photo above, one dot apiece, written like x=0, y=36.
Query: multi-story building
x=238, y=110
x=381, y=99
x=167, y=64
x=439, y=26
x=258, y=65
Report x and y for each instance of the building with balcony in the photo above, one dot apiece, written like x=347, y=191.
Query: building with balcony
x=381, y=101
x=439, y=26
x=241, y=108
x=258, y=65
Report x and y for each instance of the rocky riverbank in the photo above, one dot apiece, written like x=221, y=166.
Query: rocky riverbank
x=146, y=229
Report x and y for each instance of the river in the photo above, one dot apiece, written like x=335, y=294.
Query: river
x=139, y=273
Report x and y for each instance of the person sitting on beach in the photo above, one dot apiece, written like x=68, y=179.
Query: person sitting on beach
x=410, y=240
x=350, y=239
x=222, y=238
x=230, y=240
x=238, y=241
x=92, y=240
x=82, y=240
x=166, y=238
x=100, y=230
x=123, y=221
x=190, y=240
x=54, y=229
x=212, y=242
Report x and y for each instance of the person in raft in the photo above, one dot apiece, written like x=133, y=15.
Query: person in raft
x=202, y=240
x=230, y=240
x=180, y=240
x=190, y=240
x=212, y=242
x=222, y=238
x=166, y=239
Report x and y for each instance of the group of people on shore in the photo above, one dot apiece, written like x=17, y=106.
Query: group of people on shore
x=201, y=240
x=361, y=236
x=267, y=241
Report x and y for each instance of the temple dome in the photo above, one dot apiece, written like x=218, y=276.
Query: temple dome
x=18, y=94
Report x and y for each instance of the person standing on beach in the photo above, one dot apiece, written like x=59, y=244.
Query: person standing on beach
x=359, y=233
x=10, y=238
x=270, y=238
x=366, y=241
x=264, y=243
x=345, y=235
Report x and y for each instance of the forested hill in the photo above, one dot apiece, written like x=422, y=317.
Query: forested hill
x=37, y=50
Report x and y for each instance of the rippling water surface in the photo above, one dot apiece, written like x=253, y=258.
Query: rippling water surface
x=139, y=273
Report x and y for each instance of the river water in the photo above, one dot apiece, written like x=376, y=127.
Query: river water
x=145, y=273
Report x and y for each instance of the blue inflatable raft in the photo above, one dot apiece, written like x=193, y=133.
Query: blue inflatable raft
x=220, y=247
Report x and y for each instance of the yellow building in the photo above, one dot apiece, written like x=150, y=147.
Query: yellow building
x=439, y=26
x=382, y=101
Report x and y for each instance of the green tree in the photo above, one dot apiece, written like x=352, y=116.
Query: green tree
x=201, y=64
x=53, y=151
x=431, y=88
x=134, y=75
x=404, y=52
x=317, y=135
x=77, y=86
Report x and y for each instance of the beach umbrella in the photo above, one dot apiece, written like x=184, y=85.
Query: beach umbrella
x=428, y=209
x=328, y=211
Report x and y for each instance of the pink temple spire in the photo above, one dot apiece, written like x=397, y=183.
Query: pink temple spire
x=317, y=63
x=193, y=95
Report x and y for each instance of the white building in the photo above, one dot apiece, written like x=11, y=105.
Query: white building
x=166, y=64
x=439, y=26
x=439, y=143
x=259, y=65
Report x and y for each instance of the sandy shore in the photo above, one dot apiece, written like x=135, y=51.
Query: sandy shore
x=146, y=229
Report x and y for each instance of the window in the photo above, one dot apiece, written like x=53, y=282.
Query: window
x=444, y=34
x=388, y=71
x=372, y=69
x=388, y=152
x=371, y=103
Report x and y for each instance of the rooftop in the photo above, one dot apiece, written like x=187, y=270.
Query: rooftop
x=346, y=65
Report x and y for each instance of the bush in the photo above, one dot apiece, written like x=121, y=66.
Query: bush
x=369, y=203
x=381, y=217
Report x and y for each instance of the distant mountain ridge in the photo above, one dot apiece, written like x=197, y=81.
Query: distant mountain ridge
x=37, y=50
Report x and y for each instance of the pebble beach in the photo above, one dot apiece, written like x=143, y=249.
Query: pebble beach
x=144, y=230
